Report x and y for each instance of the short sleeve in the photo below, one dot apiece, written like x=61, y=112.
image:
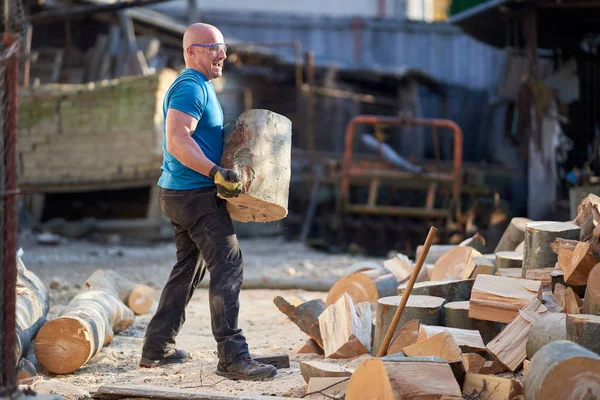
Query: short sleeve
x=189, y=97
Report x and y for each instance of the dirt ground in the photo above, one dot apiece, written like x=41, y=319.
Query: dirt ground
x=65, y=266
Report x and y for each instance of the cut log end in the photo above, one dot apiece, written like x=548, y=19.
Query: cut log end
x=246, y=208
x=140, y=299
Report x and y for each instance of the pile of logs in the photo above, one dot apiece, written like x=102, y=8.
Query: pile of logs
x=531, y=308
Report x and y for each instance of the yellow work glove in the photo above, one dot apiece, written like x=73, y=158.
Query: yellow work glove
x=227, y=181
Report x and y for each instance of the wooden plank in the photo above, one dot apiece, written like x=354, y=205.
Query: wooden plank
x=153, y=392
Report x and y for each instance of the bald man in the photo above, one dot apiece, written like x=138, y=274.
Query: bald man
x=205, y=238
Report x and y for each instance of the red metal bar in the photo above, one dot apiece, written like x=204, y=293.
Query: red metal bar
x=10, y=223
x=357, y=25
x=434, y=123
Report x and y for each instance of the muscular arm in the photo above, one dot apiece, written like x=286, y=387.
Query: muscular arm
x=180, y=127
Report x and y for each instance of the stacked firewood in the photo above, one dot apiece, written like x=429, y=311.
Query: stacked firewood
x=474, y=323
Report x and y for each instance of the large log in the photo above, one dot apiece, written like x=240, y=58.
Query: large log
x=427, y=309
x=305, y=316
x=82, y=329
x=563, y=370
x=456, y=315
x=539, y=237
x=135, y=296
x=588, y=216
x=364, y=286
x=452, y=263
x=458, y=290
x=497, y=298
x=591, y=302
x=584, y=329
x=403, y=378
x=31, y=308
x=513, y=235
x=548, y=328
x=257, y=146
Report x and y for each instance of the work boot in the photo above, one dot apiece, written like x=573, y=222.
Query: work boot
x=246, y=369
x=178, y=357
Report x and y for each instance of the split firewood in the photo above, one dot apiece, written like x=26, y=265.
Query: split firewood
x=595, y=235
x=258, y=145
x=467, y=340
x=579, y=263
x=525, y=366
x=509, y=272
x=310, y=347
x=548, y=328
x=543, y=275
x=539, y=237
x=563, y=370
x=135, y=296
x=427, y=309
x=491, y=387
x=513, y=235
x=364, y=286
x=520, y=248
x=509, y=259
x=82, y=329
x=318, y=369
x=558, y=278
x=497, y=298
x=451, y=264
x=457, y=290
x=473, y=362
x=509, y=347
x=31, y=308
x=407, y=335
x=326, y=388
x=566, y=298
x=591, y=302
x=456, y=315
x=402, y=266
x=346, y=328
x=403, y=378
x=305, y=316
x=491, y=367
x=478, y=266
x=588, y=216
x=476, y=241
x=584, y=329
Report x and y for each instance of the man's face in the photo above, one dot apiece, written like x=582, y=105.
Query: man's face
x=209, y=55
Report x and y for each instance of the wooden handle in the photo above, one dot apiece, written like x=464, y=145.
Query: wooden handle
x=415, y=273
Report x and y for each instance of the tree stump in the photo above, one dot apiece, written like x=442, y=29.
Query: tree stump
x=456, y=315
x=449, y=290
x=427, y=309
x=369, y=285
x=548, y=328
x=513, y=235
x=135, y=296
x=509, y=259
x=258, y=147
x=591, y=302
x=562, y=370
x=539, y=237
x=452, y=263
x=584, y=330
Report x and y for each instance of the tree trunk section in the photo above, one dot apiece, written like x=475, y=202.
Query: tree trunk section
x=509, y=259
x=591, y=302
x=427, y=309
x=364, y=286
x=548, y=328
x=456, y=315
x=563, y=370
x=513, y=235
x=584, y=329
x=305, y=316
x=451, y=264
x=588, y=215
x=449, y=290
x=538, y=243
x=258, y=147
x=135, y=296
x=82, y=328
x=403, y=378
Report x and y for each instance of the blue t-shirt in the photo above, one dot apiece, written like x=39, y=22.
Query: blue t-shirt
x=193, y=94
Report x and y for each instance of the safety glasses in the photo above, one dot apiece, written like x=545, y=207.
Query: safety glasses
x=213, y=48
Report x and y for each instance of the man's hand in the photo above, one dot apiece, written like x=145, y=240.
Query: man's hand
x=227, y=181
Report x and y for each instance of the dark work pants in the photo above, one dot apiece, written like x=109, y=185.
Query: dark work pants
x=204, y=235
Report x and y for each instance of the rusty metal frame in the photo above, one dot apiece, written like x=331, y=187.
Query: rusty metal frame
x=352, y=170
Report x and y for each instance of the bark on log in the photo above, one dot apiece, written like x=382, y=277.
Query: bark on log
x=364, y=286
x=403, y=378
x=584, y=330
x=456, y=315
x=135, y=296
x=449, y=290
x=548, y=328
x=31, y=308
x=305, y=316
x=427, y=309
x=513, y=235
x=588, y=216
x=82, y=328
x=451, y=265
x=591, y=302
x=258, y=147
x=538, y=243
x=509, y=259
x=563, y=370
x=318, y=369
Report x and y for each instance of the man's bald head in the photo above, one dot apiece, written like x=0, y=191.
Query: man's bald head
x=201, y=33
x=207, y=60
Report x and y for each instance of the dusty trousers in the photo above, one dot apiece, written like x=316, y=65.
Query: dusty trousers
x=204, y=234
